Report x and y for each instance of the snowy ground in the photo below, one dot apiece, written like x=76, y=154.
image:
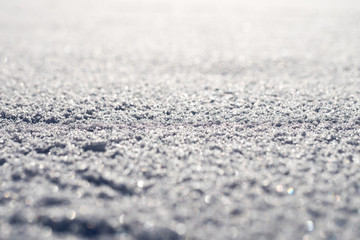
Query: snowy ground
x=180, y=119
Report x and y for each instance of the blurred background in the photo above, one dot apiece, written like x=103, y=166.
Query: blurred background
x=120, y=41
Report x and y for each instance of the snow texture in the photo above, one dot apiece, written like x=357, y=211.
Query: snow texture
x=179, y=119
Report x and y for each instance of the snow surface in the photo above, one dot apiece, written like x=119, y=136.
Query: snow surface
x=180, y=119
